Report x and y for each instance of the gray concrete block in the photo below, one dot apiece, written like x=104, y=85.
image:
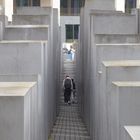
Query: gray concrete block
x=113, y=71
x=115, y=51
x=4, y=20
x=24, y=60
x=124, y=107
x=132, y=132
x=15, y=107
x=110, y=52
x=26, y=32
x=100, y=4
x=97, y=22
x=113, y=24
x=113, y=28
x=3, y=23
x=28, y=58
x=18, y=78
x=19, y=57
x=33, y=10
x=116, y=38
x=31, y=20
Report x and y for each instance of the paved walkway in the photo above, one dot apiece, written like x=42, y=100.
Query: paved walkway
x=69, y=125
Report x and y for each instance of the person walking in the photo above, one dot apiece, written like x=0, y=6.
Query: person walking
x=67, y=86
x=73, y=91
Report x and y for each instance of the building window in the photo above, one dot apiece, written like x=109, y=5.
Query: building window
x=63, y=3
x=129, y=4
x=35, y=2
x=72, y=32
x=75, y=6
x=21, y=3
x=70, y=7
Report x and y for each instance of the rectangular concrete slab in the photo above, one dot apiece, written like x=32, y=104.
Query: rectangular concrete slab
x=116, y=38
x=99, y=22
x=124, y=107
x=112, y=71
x=132, y=132
x=113, y=23
x=106, y=52
x=129, y=51
x=15, y=110
x=92, y=23
x=26, y=32
x=33, y=10
x=29, y=58
x=21, y=57
x=31, y=20
x=18, y=78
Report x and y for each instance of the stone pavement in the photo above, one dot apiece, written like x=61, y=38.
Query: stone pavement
x=69, y=124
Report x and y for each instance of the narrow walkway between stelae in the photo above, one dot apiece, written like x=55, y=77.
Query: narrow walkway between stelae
x=69, y=125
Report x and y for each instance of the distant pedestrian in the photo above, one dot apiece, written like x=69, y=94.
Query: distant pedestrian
x=68, y=86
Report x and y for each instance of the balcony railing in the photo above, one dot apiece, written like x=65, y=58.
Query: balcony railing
x=69, y=11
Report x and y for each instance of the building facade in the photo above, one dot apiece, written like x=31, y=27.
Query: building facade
x=69, y=20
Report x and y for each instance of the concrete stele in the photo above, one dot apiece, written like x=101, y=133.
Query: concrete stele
x=113, y=70
x=15, y=88
x=124, y=107
x=133, y=132
x=26, y=32
x=16, y=109
x=107, y=52
x=122, y=63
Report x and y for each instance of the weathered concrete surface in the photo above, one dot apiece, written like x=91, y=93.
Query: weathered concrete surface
x=18, y=78
x=122, y=70
x=100, y=4
x=110, y=52
x=124, y=106
x=116, y=38
x=31, y=19
x=28, y=53
x=16, y=57
x=17, y=111
x=3, y=23
x=113, y=23
x=132, y=132
x=26, y=32
x=94, y=21
x=33, y=10
x=115, y=52
x=28, y=58
x=101, y=26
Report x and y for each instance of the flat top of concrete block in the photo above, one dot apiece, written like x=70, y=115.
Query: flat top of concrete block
x=122, y=63
x=122, y=44
x=127, y=83
x=15, y=88
x=108, y=13
x=104, y=11
x=133, y=131
x=42, y=15
x=35, y=10
x=27, y=26
x=22, y=41
x=105, y=34
x=116, y=35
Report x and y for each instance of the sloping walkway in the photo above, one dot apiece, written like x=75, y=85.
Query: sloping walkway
x=69, y=125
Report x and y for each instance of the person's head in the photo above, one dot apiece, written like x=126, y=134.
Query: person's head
x=67, y=76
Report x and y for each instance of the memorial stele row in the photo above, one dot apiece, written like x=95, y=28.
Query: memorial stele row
x=108, y=67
